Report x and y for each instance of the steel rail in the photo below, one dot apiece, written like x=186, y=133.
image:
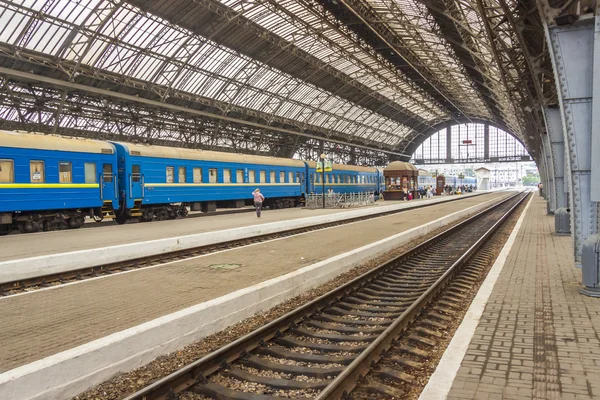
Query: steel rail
x=343, y=384
x=197, y=371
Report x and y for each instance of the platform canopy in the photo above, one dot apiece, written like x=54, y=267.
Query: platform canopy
x=276, y=76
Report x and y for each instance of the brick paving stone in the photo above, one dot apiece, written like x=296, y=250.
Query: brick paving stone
x=538, y=338
x=42, y=323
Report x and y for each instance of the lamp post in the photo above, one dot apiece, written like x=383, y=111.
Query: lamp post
x=323, y=177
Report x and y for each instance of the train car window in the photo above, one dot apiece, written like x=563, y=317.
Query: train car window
x=181, y=176
x=282, y=177
x=136, y=175
x=272, y=176
x=212, y=175
x=170, y=174
x=251, y=176
x=297, y=177
x=65, y=172
x=239, y=176
x=89, y=170
x=7, y=171
x=226, y=175
x=263, y=176
x=107, y=173
x=197, y=175
x=290, y=177
x=37, y=173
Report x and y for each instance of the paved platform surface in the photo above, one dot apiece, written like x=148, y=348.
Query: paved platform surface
x=39, y=324
x=538, y=338
x=37, y=244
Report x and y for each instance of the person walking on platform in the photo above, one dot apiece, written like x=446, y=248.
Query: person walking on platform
x=258, y=201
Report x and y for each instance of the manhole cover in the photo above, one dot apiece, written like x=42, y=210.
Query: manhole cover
x=225, y=266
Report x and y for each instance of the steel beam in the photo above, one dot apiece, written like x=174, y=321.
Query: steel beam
x=140, y=100
x=572, y=52
x=595, y=177
x=549, y=174
x=556, y=141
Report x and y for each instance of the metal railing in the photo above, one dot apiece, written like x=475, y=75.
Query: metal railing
x=340, y=200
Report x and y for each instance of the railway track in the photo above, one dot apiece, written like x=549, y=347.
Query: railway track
x=324, y=349
x=19, y=286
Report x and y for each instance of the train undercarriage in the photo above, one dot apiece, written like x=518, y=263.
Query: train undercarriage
x=43, y=221
x=46, y=221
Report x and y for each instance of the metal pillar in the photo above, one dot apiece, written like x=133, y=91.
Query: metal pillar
x=550, y=195
x=448, y=145
x=557, y=149
x=486, y=142
x=572, y=52
x=549, y=173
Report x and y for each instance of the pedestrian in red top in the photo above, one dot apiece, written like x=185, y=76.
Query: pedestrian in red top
x=258, y=201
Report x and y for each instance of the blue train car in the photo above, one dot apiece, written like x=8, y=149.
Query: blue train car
x=52, y=182
x=158, y=182
x=344, y=179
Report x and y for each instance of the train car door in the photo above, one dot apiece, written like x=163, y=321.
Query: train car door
x=108, y=180
x=136, y=182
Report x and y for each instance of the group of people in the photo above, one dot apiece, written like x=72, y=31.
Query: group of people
x=449, y=189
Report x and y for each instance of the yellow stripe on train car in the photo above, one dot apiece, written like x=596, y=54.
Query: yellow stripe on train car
x=49, y=185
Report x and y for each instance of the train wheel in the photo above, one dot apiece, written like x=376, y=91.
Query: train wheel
x=121, y=219
x=4, y=229
x=182, y=212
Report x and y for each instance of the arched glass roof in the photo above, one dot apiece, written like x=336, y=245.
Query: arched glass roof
x=373, y=72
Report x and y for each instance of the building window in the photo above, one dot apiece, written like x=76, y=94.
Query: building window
x=263, y=176
x=36, y=170
x=226, y=175
x=197, y=175
x=212, y=175
x=251, y=176
x=239, y=176
x=7, y=171
x=65, y=172
x=170, y=174
x=181, y=175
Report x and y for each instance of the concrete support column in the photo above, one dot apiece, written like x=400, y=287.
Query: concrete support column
x=572, y=51
x=557, y=149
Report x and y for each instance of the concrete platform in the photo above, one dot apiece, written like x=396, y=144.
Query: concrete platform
x=532, y=334
x=249, y=226
x=77, y=335
x=46, y=243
